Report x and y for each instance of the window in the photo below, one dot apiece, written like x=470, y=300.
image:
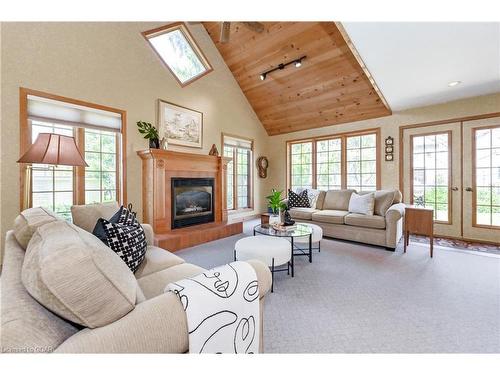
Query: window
x=430, y=172
x=239, y=172
x=177, y=49
x=487, y=176
x=362, y=162
x=99, y=137
x=342, y=161
x=102, y=173
x=301, y=155
x=329, y=164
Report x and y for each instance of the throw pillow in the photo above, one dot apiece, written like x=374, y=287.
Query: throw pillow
x=125, y=216
x=298, y=200
x=362, y=204
x=312, y=195
x=128, y=241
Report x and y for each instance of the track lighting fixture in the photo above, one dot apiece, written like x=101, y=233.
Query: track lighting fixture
x=297, y=63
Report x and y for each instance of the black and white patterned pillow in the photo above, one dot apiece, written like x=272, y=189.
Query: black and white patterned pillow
x=298, y=200
x=125, y=216
x=128, y=241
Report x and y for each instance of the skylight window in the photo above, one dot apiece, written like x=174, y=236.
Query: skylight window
x=177, y=49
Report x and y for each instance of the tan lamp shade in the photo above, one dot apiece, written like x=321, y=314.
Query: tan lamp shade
x=54, y=149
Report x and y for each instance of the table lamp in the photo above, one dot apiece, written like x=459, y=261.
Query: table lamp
x=52, y=149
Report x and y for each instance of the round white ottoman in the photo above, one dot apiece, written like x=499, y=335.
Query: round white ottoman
x=317, y=235
x=273, y=251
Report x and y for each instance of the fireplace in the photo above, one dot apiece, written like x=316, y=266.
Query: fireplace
x=192, y=201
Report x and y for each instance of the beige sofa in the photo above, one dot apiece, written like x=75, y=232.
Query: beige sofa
x=109, y=309
x=331, y=213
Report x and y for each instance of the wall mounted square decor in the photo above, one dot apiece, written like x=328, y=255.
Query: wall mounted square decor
x=180, y=125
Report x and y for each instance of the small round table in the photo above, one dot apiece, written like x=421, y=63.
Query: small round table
x=296, y=231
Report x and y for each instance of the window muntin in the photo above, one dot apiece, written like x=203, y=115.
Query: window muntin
x=301, y=165
x=239, y=172
x=321, y=163
x=178, y=50
x=430, y=174
x=487, y=176
x=361, y=159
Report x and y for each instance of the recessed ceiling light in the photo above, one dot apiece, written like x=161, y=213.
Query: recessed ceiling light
x=454, y=83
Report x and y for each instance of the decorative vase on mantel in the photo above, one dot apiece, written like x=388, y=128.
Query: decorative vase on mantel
x=154, y=143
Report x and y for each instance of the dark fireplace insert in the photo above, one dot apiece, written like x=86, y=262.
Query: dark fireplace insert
x=192, y=201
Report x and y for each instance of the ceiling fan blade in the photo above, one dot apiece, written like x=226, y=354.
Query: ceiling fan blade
x=255, y=26
x=225, y=29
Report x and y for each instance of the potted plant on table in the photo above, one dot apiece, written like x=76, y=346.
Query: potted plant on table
x=149, y=132
x=277, y=205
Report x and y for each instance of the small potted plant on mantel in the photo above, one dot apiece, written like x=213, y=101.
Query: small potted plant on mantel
x=277, y=205
x=149, y=132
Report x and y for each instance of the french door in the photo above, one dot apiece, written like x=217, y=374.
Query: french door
x=482, y=179
x=432, y=174
x=454, y=168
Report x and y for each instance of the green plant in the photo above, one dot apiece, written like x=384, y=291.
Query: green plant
x=275, y=202
x=147, y=130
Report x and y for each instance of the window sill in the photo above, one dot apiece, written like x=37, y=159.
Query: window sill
x=239, y=210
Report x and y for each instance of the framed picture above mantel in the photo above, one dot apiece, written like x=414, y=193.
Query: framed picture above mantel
x=180, y=125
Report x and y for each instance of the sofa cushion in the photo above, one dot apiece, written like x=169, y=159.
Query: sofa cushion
x=366, y=221
x=302, y=213
x=73, y=274
x=383, y=200
x=398, y=197
x=154, y=284
x=27, y=222
x=25, y=324
x=321, y=200
x=85, y=216
x=157, y=259
x=362, y=204
x=330, y=216
x=337, y=200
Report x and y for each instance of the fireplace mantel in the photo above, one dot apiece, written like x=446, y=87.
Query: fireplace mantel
x=158, y=169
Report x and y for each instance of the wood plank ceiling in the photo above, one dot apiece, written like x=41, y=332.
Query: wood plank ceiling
x=331, y=87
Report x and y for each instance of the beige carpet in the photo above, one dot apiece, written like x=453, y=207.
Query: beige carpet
x=356, y=298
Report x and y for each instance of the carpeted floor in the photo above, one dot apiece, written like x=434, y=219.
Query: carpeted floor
x=356, y=298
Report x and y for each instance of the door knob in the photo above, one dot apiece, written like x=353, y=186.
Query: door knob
x=454, y=188
x=468, y=189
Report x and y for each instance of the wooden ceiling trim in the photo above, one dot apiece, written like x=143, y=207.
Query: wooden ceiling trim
x=333, y=86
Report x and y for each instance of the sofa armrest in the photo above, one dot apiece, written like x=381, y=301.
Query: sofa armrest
x=150, y=235
x=263, y=276
x=394, y=224
x=395, y=212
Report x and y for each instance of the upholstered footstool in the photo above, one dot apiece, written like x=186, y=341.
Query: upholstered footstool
x=272, y=251
x=317, y=236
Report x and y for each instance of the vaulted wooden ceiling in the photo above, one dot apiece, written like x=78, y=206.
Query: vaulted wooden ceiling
x=331, y=87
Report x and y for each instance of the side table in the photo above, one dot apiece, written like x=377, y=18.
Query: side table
x=419, y=220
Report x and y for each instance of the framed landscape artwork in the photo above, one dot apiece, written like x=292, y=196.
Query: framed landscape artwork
x=181, y=126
